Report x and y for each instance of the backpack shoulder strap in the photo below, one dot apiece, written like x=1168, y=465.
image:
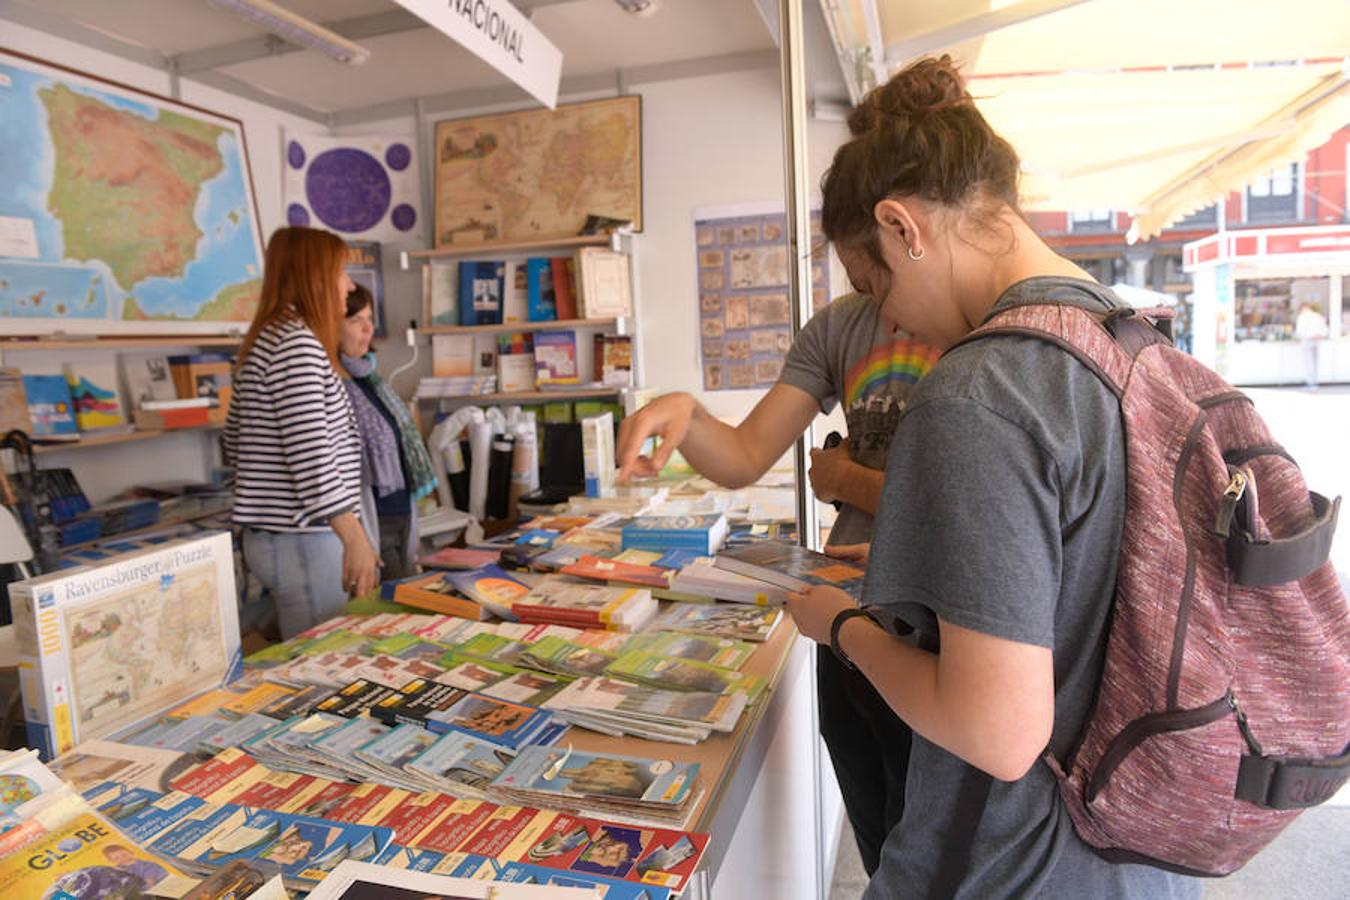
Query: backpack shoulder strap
x=1105, y=344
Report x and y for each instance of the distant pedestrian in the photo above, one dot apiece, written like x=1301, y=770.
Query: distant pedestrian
x=1310, y=328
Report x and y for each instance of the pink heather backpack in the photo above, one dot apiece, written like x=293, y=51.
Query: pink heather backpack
x=1224, y=704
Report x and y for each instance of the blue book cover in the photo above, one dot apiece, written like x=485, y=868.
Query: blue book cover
x=303, y=848
x=703, y=534
x=678, y=559
x=397, y=748
x=411, y=859
x=543, y=306
x=49, y=406
x=143, y=814
x=481, y=285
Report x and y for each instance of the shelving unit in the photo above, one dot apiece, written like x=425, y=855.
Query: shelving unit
x=623, y=241
x=532, y=396
x=117, y=343
x=489, y=248
x=525, y=326
x=169, y=522
x=117, y=437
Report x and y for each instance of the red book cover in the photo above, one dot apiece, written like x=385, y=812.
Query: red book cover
x=564, y=287
x=274, y=790
x=500, y=830
x=322, y=803
x=609, y=570
x=559, y=845
x=358, y=804
x=456, y=826
x=205, y=779
x=415, y=814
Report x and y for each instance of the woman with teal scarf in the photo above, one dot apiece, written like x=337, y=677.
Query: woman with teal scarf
x=395, y=465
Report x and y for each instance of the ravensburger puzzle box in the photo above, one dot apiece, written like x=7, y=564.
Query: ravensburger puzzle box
x=104, y=646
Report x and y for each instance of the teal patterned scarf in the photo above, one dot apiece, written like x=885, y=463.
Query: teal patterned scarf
x=419, y=477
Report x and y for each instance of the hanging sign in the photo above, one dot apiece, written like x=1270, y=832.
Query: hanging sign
x=497, y=33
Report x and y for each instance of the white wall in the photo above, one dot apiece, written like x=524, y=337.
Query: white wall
x=105, y=471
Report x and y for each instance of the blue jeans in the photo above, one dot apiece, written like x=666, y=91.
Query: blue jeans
x=303, y=573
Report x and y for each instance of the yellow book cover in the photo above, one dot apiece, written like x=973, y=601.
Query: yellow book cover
x=88, y=858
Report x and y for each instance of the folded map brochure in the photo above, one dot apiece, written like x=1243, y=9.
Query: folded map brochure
x=363, y=881
x=303, y=849
x=490, y=588
x=556, y=655
x=438, y=594
x=95, y=762
x=427, y=829
x=620, y=703
x=683, y=675
x=735, y=621
x=579, y=778
x=459, y=764
x=724, y=653
x=792, y=566
x=586, y=606
x=102, y=647
x=441, y=708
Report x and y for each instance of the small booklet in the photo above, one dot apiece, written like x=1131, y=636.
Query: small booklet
x=740, y=622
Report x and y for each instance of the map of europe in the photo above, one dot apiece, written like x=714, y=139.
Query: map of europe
x=117, y=206
x=538, y=174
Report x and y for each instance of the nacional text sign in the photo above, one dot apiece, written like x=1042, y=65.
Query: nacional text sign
x=496, y=32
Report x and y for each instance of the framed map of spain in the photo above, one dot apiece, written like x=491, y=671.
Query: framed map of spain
x=537, y=174
x=120, y=211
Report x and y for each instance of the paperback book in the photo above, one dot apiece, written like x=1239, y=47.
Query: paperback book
x=682, y=675
x=586, y=606
x=792, y=566
x=490, y=588
x=659, y=788
x=543, y=305
x=49, y=407
x=555, y=358
x=482, y=284
x=438, y=594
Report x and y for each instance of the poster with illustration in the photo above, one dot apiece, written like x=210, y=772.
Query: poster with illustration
x=744, y=313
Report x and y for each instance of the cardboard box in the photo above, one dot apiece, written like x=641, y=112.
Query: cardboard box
x=104, y=646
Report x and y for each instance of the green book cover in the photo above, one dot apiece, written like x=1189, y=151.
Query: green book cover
x=683, y=674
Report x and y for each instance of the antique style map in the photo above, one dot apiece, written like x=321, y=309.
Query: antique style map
x=538, y=174
x=120, y=207
x=140, y=649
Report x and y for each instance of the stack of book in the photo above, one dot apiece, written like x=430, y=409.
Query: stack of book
x=703, y=578
x=701, y=534
x=440, y=708
x=586, y=606
x=628, y=788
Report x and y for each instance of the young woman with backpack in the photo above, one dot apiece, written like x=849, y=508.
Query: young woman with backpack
x=1001, y=518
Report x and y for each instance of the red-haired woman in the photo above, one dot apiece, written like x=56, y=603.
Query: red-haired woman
x=1000, y=519
x=292, y=438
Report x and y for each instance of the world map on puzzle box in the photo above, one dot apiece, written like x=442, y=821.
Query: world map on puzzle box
x=538, y=174
x=120, y=210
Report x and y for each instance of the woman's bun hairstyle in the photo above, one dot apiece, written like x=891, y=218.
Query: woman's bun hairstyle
x=918, y=135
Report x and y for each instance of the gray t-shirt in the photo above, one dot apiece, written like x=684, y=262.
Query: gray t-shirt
x=848, y=354
x=1002, y=513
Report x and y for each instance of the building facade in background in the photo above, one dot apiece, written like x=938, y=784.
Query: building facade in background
x=1239, y=271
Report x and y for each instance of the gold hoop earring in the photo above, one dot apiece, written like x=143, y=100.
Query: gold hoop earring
x=915, y=256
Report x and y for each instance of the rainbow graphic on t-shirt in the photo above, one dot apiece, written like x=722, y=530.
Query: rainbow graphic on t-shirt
x=902, y=360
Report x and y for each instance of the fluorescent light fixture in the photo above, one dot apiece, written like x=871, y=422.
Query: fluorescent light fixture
x=296, y=29
x=638, y=7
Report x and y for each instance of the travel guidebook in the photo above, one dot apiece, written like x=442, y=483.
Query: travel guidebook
x=792, y=566
x=702, y=534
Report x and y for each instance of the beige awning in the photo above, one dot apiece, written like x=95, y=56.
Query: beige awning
x=1155, y=107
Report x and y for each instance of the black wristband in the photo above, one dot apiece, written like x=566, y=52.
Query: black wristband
x=838, y=623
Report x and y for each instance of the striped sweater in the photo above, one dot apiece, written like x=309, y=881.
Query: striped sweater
x=291, y=435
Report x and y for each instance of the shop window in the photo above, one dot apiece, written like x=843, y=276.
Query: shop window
x=1091, y=220
x=1267, y=307
x=1274, y=197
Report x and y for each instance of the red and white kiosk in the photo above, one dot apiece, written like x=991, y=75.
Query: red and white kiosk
x=1248, y=287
